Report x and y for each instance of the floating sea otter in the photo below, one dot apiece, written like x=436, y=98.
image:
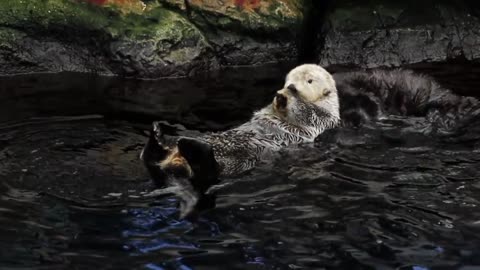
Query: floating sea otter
x=306, y=107
x=302, y=110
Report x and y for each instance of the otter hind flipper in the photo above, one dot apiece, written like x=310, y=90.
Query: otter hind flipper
x=201, y=159
x=153, y=153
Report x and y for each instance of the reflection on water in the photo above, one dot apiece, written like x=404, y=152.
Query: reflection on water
x=71, y=195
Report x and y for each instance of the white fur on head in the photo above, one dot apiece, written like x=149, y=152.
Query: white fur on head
x=314, y=84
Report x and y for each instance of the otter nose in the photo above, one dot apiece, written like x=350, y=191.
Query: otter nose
x=292, y=88
x=281, y=100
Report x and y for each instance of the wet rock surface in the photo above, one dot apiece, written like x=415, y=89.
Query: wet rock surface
x=171, y=38
x=247, y=32
x=391, y=33
x=63, y=35
x=144, y=39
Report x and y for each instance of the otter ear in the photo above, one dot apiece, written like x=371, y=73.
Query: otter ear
x=327, y=92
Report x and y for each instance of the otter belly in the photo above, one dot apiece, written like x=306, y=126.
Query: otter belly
x=235, y=151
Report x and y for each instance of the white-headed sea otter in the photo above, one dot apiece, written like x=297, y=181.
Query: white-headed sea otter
x=305, y=107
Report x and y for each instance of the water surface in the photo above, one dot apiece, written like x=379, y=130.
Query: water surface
x=379, y=197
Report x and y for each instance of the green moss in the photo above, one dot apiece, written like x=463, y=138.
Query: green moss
x=8, y=37
x=224, y=21
x=71, y=15
x=47, y=13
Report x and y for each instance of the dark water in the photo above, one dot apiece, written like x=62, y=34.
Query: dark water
x=71, y=190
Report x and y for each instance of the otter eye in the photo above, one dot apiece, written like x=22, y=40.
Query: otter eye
x=310, y=81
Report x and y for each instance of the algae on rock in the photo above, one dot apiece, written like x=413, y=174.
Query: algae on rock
x=157, y=40
x=88, y=38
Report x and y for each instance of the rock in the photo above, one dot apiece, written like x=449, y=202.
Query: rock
x=126, y=6
x=65, y=35
x=392, y=33
x=169, y=47
x=144, y=38
x=247, y=32
x=173, y=38
x=247, y=14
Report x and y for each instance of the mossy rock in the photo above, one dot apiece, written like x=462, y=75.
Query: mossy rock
x=45, y=14
x=156, y=43
x=160, y=39
x=256, y=15
x=246, y=32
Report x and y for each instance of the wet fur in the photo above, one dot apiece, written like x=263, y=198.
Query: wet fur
x=305, y=107
x=197, y=163
x=366, y=96
x=309, y=106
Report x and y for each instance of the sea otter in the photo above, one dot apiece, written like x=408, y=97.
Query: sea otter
x=311, y=101
x=306, y=106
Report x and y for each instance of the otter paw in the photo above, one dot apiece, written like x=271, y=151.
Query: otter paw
x=157, y=132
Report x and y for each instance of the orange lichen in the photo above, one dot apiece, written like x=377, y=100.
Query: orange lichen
x=248, y=4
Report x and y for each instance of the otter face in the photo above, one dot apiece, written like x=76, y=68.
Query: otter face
x=307, y=83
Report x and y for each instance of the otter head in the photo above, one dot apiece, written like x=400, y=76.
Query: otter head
x=307, y=83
